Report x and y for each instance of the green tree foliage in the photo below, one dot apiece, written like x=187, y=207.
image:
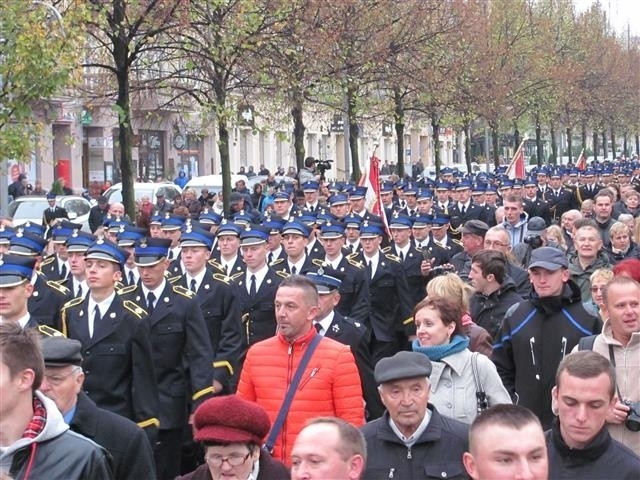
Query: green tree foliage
x=39, y=58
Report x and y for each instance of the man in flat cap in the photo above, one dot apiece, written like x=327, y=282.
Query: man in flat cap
x=473, y=233
x=115, y=337
x=412, y=440
x=62, y=382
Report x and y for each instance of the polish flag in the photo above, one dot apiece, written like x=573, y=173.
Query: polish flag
x=581, y=163
x=516, y=167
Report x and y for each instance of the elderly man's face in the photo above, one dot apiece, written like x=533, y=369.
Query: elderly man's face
x=406, y=401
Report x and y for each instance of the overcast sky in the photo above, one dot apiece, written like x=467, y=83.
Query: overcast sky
x=619, y=12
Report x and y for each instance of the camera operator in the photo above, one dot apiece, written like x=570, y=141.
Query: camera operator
x=308, y=172
x=536, y=237
x=620, y=342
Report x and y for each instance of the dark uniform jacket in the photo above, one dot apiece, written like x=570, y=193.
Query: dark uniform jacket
x=564, y=201
x=221, y=313
x=124, y=440
x=46, y=301
x=537, y=208
x=391, y=305
x=117, y=360
x=257, y=313
x=587, y=192
x=411, y=265
x=534, y=337
x=604, y=457
x=437, y=453
x=449, y=245
x=354, y=334
x=182, y=356
x=433, y=252
x=51, y=266
x=473, y=212
x=354, y=290
x=237, y=267
x=50, y=215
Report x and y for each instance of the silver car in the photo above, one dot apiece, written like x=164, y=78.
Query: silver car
x=30, y=208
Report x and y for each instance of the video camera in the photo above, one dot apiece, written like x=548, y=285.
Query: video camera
x=534, y=241
x=322, y=166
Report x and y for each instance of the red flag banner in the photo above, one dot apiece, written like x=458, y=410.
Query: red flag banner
x=581, y=163
x=516, y=167
x=371, y=180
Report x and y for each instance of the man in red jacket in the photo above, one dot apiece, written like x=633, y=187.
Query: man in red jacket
x=330, y=384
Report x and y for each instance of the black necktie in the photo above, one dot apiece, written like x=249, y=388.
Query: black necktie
x=463, y=210
x=170, y=254
x=132, y=279
x=63, y=271
x=401, y=255
x=270, y=257
x=318, y=327
x=369, y=269
x=294, y=270
x=96, y=319
x=352, y=248
x=151, y=298
x=252, y=287
x=193, y=285
x=79, y=291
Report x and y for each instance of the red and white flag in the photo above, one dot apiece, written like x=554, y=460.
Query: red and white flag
x=371, y=180
x=516, y=167
x=581, y=162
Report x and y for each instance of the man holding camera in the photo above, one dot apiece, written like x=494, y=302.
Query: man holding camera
x=620, y=342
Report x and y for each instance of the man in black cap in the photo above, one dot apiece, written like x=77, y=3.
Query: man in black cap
x=182, y=353
x=538, y=332
x=15, y=290
x=162, y=206
x=412, y=440
x=48, y=296
x=115, y=337
x=62, y=382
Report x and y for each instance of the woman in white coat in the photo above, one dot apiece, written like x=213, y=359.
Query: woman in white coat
x=453, y=383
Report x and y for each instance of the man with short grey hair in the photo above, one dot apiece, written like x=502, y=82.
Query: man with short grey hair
x=412, y=439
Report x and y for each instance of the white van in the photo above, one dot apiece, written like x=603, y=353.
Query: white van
x=212, y=182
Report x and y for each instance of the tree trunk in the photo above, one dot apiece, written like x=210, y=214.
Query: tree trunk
x=583, y=137
x=569, y=142
x=495, y=140
x=554, y=143
x=613, y=143
x=467, y=145
x=225, y=161
x=354, y=133
x=435, y=126
x=399, y=125
x=539, y=152
x=595, y=146
x=637, y=144
x=298, y=128
x=516, y=138
x=125, y=133
x=625, y=144
x=604, y=145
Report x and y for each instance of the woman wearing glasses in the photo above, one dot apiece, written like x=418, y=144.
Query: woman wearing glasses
x=232, y=431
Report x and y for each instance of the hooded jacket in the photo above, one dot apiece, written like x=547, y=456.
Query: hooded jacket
x=56, y=452
x=535, y=336
x=582, y=276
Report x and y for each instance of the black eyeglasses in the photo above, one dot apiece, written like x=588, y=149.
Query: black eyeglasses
x=235, y=459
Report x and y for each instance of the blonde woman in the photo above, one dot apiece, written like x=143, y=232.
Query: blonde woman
x=555, y=238
x=451, y=286
x=598, y=280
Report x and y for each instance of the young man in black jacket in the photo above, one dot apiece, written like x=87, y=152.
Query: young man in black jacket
x=579, y=444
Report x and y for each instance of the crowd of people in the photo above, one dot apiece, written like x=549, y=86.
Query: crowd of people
x=304, y=336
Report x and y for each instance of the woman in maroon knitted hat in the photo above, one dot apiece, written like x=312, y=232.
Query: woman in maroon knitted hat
x=232, y=431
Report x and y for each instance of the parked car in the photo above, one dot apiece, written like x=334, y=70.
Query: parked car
x=30, y=208
x=170, y=190
x=213, y=182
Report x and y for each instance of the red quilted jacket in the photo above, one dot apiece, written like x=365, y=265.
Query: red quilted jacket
x=330, y=385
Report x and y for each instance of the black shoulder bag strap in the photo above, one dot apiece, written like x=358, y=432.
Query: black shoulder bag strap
x=612, y=359
x=291, y=391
